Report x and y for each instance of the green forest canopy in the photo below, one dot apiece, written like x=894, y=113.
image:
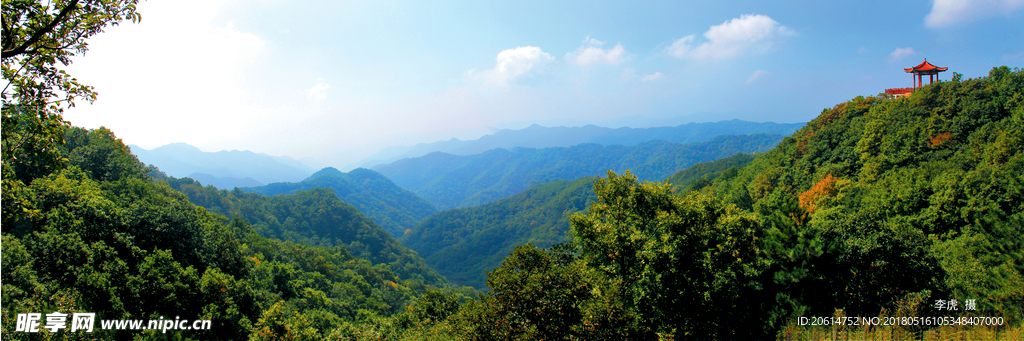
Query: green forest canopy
x=99, y=235
x=879, y=207
x=877, y=204
x=314, y=217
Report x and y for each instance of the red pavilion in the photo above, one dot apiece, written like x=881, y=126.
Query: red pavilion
x=925, y=68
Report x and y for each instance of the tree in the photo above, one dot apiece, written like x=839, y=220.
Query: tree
x=37, y=36
x=680, y=265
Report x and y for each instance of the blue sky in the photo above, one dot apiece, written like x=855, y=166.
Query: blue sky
x=335, y=81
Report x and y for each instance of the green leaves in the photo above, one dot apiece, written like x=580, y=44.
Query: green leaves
x=676, y=262
x=37, y=36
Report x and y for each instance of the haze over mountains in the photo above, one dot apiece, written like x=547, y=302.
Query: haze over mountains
x=229, y=169
x=453, y=181
x=223, y=169
x=536, y=136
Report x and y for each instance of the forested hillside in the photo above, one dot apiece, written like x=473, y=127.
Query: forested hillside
x=462, y=244
x=85, y=229
x=879, y=201
x=392, y=207
x=894, y=208
x=451, y=181
x=536, y=136
x=701, y=174
x=313, y=217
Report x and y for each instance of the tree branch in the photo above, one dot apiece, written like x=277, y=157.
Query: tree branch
x=43, y=31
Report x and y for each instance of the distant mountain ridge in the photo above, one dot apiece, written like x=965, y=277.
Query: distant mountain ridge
x=536, y=136
x=453, y=181
x=390, y=206
x=223, y=169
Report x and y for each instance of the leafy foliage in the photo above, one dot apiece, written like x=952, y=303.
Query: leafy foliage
x=37, y=36
x=673, y=264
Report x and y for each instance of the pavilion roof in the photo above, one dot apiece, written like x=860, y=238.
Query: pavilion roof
x=926, y=67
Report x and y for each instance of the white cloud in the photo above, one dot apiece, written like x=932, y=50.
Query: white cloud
x=681, y=47
x=319, y=91
x=652, y=77
x=181, y=61
x=757, y=74
x=510, y=64
x=948, y=12
x=901, y=52
x=732, y=37
x=591, y=53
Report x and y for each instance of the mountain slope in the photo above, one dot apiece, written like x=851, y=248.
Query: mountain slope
x=94, y=233
x=702, y=174
x=904, y=209
x=879, y=203
x=450, y=181
x=315, y=217
x=392, y=207
x=536, y=136
x=462, y=244
x=226, y=167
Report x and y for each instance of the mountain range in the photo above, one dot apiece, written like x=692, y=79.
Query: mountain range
x=223, y=169
x=536, y=136
x=453, y=181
